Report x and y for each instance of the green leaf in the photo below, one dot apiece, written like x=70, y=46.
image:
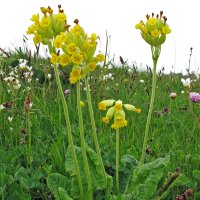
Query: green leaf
x=146, y=177
x=5, y=181
x=56, y=181
x=27, y=181
x=63, y=195
x=126, y=166
x=16, y=192
x=97, y=175
x=196, y=174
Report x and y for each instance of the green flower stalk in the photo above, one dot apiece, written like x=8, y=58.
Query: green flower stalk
x=94, y=133
x=154, y=32
x=69, y=132
x=116, y=111
x=83, y=146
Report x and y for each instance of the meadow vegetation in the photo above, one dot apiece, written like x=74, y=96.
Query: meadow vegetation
x=82, y=131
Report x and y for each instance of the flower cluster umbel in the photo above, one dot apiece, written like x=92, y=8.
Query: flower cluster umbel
x=155, y=29
x=68, y=46
x=117, y=111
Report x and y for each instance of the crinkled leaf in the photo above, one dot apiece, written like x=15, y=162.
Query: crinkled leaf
x=26, y=180
x=146, y=177
x=57, y=181
x=126, y=166
x=97, y=175
x=63, y=195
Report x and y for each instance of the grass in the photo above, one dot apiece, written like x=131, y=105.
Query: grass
x=173, y=129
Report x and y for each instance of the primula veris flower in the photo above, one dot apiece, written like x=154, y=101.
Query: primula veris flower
x=92, y=66
x=71, y=48
x=77, y=30
x=117, y=112
x=195, y=97
x=45, y=22
x=100, y=57
x=77, y=58
x=35, y=18
x=82, y=104
x=37, y=39
x=75, y=75
x=155, y=29
x=54, y=58
x=64, y=59
x=106, y=103
x=68, y=45
x=61, y=17
x=57, y=42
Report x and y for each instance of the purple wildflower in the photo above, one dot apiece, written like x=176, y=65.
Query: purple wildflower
x=195, y=97
x=67, y=92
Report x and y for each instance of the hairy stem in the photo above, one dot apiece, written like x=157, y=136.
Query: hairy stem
x=150, y=111
x=69, y=133
x=85, y=160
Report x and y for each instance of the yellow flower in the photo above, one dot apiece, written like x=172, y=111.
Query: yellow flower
x=117, y=112
x=54, y=58
x=140, y=25
x=92, y=66
x=64, y=59
x=100, y=57
x=76, y=30
x=37, y=39
x=71, y=48
x=75, y=75
x=154, y=30
x=105, y=120
x=118, y=105
x=45, y=22
x=130, y=107
x=166, y=29
x=82, y=104
x=152, y=22
x=93, y=40
x=57, y=43
x=103, y=104
x=77, y=58
x=61, y=17
x=32, y=29
x=155, y=33
x=35, y=18
x=144, y=30
x=119, y=122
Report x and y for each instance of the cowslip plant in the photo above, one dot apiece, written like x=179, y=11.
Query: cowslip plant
x=116, y=111
x=70, y=48
x=154, y=32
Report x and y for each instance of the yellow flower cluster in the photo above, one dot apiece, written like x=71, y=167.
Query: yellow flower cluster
x=67, y=46
x=155, y=29
x=117, y=111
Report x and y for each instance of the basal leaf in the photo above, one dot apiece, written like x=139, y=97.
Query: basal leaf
x=63, y=195
x=145, y=178
x=97, y=175
x=56, y=181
